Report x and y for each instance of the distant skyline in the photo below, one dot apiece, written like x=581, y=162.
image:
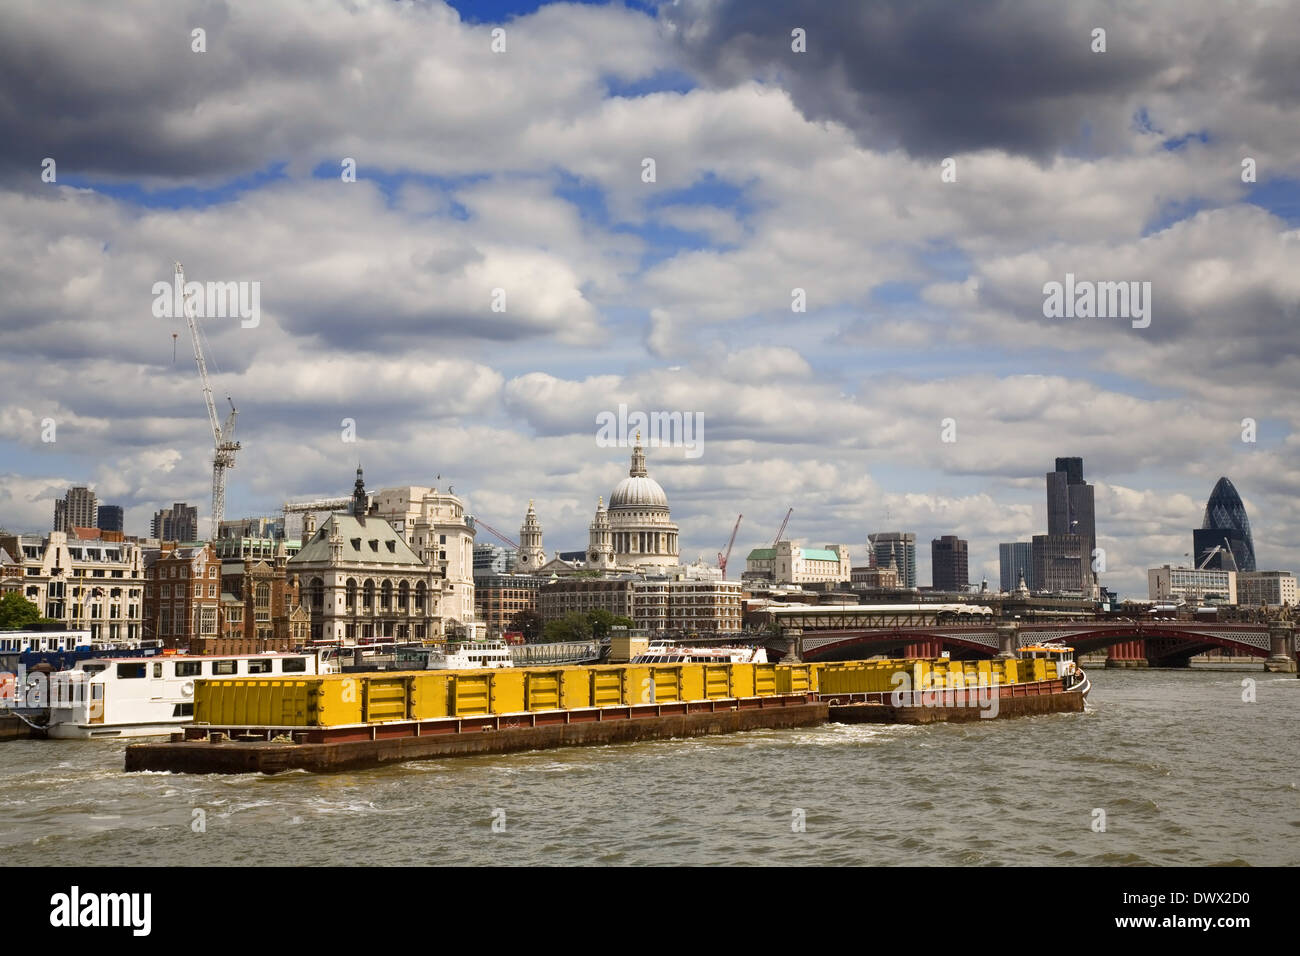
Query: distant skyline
x=923, y=389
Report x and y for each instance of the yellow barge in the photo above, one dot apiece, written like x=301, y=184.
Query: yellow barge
x=342, y=721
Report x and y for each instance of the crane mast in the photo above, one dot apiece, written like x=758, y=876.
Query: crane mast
x=223, y=436
x=724, y=558
x=781, y=530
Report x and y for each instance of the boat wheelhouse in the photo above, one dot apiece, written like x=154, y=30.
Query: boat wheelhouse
x=1066, y=667
x=133, y=697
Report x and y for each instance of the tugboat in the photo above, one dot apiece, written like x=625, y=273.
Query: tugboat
x=1067, y=668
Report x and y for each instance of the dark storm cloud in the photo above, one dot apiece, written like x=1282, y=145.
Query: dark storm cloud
x=938, y=77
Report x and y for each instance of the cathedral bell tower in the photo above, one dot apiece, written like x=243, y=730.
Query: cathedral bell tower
x=531, y=553
x=600, y=540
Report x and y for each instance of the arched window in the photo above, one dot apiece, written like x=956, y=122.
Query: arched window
x=419, y=597
x=316, y=594
x=352, y=594
x=386, y=596
x=368, y=596
x=404, y=596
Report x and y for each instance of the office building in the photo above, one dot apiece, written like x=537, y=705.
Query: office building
x=109, y=518
x=499, y=597
x=897, y=550
x=1226, y=527
x=1070, y=510
x=1014, y=559
x=949, y=567
x=435, y=525
x=1192, y=586
x=81, y=579
x=1058, y=563
x=1266, y=588
x=491, y=559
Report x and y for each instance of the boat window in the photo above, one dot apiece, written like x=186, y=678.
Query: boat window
x=259, y=667
x=183, y=710
x=128, y=671
x=157, y=670
x=294, y=665
x=189, y=668
x=225, y=667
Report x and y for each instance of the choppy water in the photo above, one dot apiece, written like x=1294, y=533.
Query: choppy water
x=1186, y=772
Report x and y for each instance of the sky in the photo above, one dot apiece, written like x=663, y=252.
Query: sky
x=920, y=170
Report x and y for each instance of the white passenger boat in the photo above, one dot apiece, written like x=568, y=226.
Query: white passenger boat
x=134, y=697
x=468, y=655
x=666, y=652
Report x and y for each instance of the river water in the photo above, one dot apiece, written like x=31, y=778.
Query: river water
x=1184, y=770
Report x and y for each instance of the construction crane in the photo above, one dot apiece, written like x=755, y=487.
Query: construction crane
x=1225, y=548
x=724, y=558
x=781, y=530
x=480, y=523
x=223, y=436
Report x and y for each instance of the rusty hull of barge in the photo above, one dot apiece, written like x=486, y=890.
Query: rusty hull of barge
x=400, y=742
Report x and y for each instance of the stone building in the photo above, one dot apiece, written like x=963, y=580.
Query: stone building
x=434, y=524
x=86, y=579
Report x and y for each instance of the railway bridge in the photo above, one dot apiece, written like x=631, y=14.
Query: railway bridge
x=849, y=632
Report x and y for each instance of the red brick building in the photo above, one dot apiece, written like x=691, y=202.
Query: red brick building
x=258, y=600
x=182, y=594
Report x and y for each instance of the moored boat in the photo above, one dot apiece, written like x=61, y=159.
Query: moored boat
x=133, y=697
x=667, y=652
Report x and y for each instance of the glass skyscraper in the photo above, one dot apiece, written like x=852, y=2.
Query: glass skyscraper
x=1225, y=524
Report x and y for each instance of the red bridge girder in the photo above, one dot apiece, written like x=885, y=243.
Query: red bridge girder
x=1166, y=639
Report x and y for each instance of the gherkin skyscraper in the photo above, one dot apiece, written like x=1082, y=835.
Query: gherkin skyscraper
x=1225, y=525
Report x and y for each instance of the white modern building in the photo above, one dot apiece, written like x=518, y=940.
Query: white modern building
x=1203, y=586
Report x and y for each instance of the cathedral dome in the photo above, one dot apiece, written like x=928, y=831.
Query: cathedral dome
x=637, y=492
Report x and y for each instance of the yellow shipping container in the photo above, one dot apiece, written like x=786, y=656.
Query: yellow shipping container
x=793, y=678
x=606, y=686
x=692, y=687
x=575, y=688
x=717, y=681
x=541, y=690
x=508, y=690
x=742, y=680
x=429, y=693
x=636, y=684
x=385, y=697
x=667, y=682
x=471, y=693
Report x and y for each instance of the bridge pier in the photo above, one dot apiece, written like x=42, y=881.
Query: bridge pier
x=1281, y=646
x=1008, y=640
x=1127, y=654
